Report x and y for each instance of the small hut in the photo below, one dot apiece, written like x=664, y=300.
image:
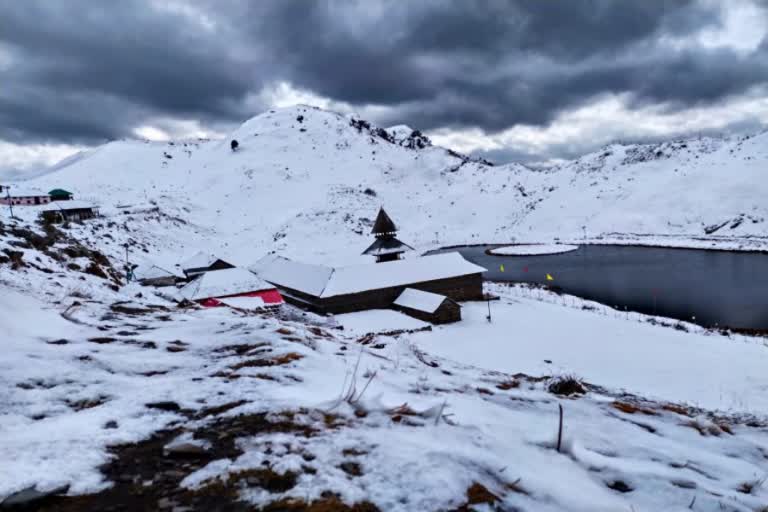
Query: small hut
x=148, y=274
x=203, y=262
x=429, y=307
x=59, y=194
x=386, y=247
x=67, y=211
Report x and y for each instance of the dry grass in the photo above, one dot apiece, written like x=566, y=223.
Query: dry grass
x=280, y=360
x=630, y=408
x=677, y=409
x=264, y=478
x=507, y=385
x=326, y=504
x=478, y=494
x=708, y=428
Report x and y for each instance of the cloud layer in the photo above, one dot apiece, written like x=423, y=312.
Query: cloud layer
x=82, y=72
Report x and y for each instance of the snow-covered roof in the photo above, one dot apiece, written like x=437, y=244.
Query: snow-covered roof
x=303, y=277
x=151, y=271
x=222, y=283
x=420, y=300
x=373, y=276
x=388, y=245
x=68, y=205
x=199, y=260
x=24, y=192
x=246, y=303
x=323, y=282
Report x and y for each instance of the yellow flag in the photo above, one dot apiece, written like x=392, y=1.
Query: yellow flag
x=501, y=268
x=550, y=278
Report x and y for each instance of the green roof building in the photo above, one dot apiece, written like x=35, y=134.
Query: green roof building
x=59, y=194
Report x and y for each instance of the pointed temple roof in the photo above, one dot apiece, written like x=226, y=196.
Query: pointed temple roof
x=387, y=245
x=383, y=224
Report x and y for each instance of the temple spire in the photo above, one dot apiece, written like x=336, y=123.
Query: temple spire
x=386, y=247
x=383, y=225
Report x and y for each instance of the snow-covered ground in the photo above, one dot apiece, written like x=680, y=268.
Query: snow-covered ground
x=533, y=249
x=378, y=320
x=409, y=421
x=615, y=349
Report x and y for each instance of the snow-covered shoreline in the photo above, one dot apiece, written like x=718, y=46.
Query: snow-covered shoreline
x=662, y=241
x=532, y=249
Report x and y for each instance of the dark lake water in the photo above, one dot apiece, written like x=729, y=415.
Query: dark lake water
x=717, y=288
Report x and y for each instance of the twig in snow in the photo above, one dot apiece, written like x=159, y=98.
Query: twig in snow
x=67, y=316
x=440, y=412
x=692, y=502
x=358, y=397
x=560, y=429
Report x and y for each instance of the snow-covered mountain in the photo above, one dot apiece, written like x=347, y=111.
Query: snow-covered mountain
x=308, y=182
x=293, y=411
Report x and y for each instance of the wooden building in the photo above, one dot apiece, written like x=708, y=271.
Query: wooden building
x=212, y=289
x=386, y=247
x=201, y=263
x=429, y=307
x=68, y=211
x=148, y=274
x=14, y=197
x=327, y=290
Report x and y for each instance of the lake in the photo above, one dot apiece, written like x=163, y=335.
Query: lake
x=711, y=288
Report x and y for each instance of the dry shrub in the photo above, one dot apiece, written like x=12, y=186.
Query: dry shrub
x=630, y=408
x=478, y=494
x=706, y=427
x=752, y=486
x=507, y=385
x=566, y=385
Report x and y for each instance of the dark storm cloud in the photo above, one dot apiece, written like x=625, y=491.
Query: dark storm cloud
x=568, y=150
x=84, y=70
x=87, y=70
x=497, y=64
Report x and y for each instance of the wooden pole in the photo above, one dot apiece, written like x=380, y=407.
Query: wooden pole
x=10, y=201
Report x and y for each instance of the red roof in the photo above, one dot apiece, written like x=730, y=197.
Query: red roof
x=270, y=297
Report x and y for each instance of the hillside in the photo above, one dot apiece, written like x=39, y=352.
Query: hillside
x=307, y=183
x=114, y=397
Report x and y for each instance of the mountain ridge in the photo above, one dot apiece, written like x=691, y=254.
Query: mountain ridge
x=307, y=182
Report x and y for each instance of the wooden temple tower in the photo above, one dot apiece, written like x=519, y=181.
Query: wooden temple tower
x=386, y=247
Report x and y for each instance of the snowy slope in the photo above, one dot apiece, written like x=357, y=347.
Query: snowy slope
x=89, y=365
x=307, y=183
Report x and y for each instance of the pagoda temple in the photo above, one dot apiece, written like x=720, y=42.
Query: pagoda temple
x=386, y=247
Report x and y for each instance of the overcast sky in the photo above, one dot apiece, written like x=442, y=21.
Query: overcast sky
x=511, y=79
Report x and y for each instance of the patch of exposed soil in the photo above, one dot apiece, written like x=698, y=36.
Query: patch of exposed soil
x=146, y=477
